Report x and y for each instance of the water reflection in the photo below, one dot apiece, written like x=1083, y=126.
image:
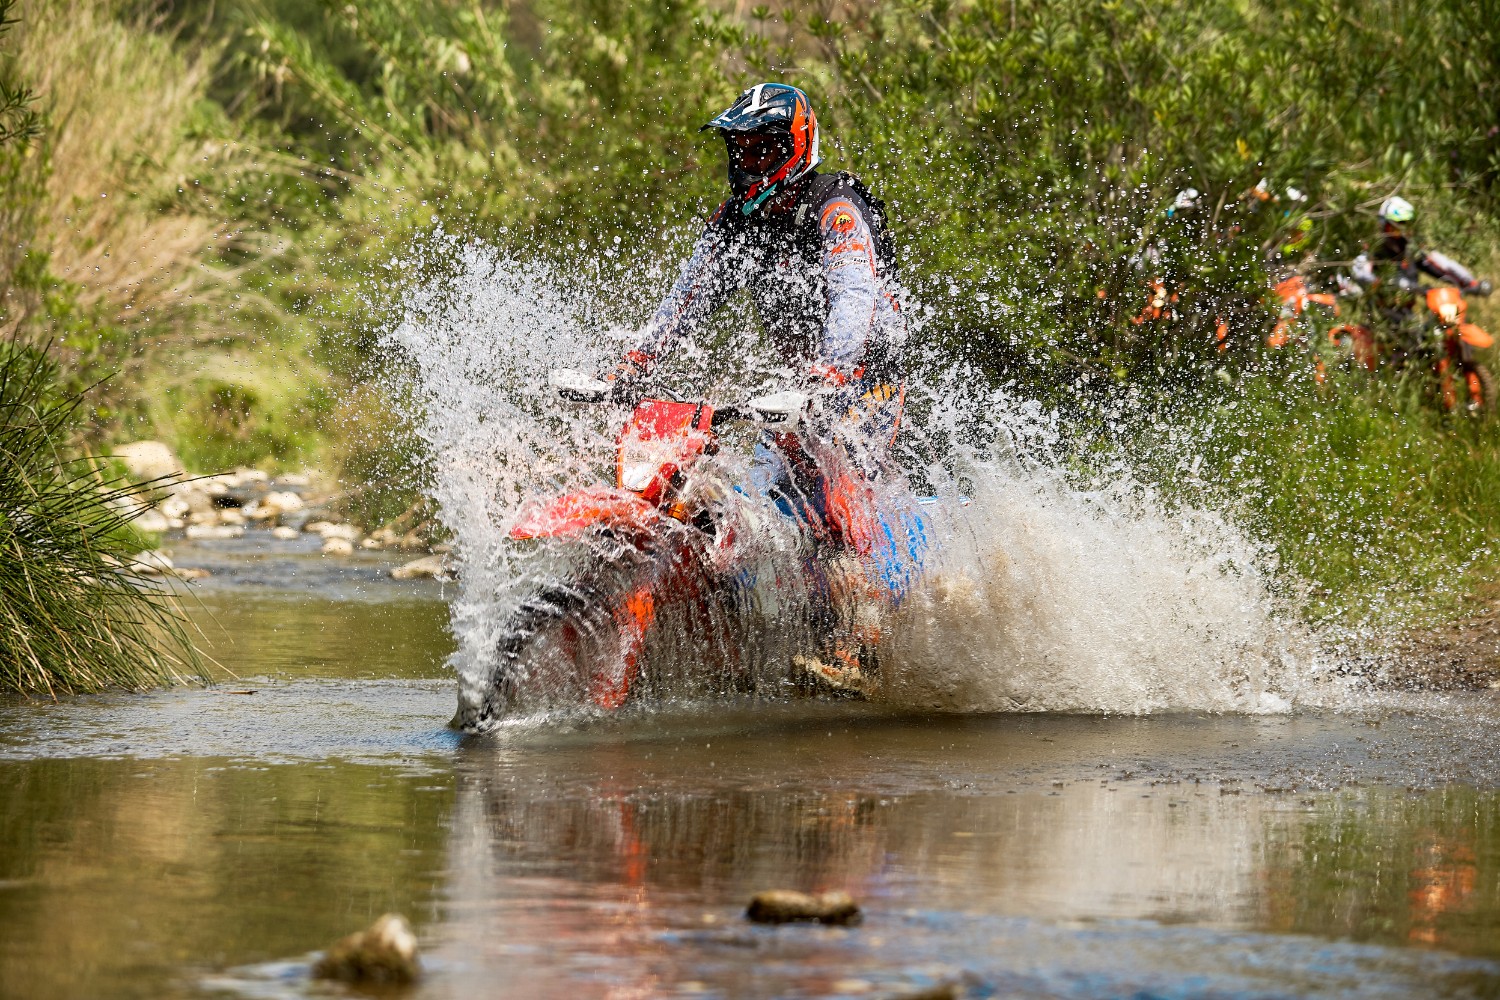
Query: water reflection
x=118, y=877
x=617, y=863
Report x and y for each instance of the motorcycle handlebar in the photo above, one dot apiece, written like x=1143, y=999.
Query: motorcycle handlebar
x=783, y=409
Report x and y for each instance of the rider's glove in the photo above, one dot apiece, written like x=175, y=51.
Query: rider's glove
x=1481, y=288
x=826, y=377
x=622, y=378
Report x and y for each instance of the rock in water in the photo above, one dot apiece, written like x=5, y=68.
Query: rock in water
x=207, y=532
x=426, y=568
x=152, y=521
x=386, y=953
x=338, y=547
x=782, y=906
x=147, y=460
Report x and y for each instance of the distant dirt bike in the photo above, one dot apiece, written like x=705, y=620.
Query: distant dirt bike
x=1462, y=380
x=1442, y=343
x=1297, y=323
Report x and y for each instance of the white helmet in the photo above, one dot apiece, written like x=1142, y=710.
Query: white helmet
x=1186, y=201
x=1397, y=211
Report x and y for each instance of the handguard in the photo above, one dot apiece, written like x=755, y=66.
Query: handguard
x=782, y=410
x=576, y=386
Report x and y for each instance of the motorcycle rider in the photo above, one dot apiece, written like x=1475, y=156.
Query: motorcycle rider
x=1393, y=270
x=813, y=251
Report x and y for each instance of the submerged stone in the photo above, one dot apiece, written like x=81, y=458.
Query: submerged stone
x=385, y=953
x=783, y=906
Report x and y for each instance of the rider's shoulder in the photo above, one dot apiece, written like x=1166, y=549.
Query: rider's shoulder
x=831, y=187
x=835, y=199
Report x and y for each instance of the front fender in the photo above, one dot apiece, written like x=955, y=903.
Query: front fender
x=574, y=513
x=1474, y=336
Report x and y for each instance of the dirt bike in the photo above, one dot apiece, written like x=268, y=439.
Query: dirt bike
x=1297, y=322
x=674, y=558
x=1462, y=380
x=1437, y=335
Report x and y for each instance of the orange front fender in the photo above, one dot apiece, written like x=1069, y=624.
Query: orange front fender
x=1474, y=336
x=572, y=513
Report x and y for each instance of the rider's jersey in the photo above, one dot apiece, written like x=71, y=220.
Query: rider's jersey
x=1395, y=270
x=820, y=283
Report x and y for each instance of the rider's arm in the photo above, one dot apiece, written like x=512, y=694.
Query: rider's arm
x=705, y=282
x=1445, y=268
x=854, y=286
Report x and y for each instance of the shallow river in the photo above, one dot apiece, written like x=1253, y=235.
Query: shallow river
x=206, y=842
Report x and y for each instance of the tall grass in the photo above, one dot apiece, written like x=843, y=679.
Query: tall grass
x=143, y=224
x=73, y=617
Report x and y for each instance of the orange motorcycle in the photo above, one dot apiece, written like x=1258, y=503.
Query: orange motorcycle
x=1298, y=323
x=673, y=564
x=1452, y=341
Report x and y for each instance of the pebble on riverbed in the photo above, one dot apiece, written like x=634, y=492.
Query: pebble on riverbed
x=427, y=568
x=783, y=906
x=384, y=954
x=336, y=546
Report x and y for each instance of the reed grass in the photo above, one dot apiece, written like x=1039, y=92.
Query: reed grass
x=73, y=616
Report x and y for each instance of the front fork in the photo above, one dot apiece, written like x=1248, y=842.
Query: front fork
x=1455, y=362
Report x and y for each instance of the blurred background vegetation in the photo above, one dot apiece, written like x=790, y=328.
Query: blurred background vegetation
x=217, y=184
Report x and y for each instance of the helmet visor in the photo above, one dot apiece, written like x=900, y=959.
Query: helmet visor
x=757, y=154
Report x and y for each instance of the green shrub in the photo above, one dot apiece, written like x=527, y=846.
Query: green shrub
x=73, y=617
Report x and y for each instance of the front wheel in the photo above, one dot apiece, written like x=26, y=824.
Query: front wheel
x=1480, y=385
x=1467, y=387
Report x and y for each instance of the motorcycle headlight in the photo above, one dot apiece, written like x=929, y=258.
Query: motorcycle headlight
x=636, y=476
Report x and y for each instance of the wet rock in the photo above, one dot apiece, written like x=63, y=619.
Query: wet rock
x=231, y=517
x=284, y=534
x=246, y=477
x=152, y=521
x=385, y=954
x=193, y=502
x=273, y=505
x=336, y=546
x=384, y=538
x=210, y=532
x=329, y=529
x=174, y=507
x=426, y=568
x=151, y=563
x=191, y=573
x=214, y=486
x=373, y=544
x=145, y=460
x=300, y=519
x=783, y=906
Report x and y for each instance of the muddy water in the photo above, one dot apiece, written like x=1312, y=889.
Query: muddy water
x=203, y=843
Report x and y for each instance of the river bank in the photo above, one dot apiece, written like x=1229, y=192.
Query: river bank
x=1460, y=656
x=246, y=503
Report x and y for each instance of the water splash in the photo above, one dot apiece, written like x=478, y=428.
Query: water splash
x=1041, y=595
